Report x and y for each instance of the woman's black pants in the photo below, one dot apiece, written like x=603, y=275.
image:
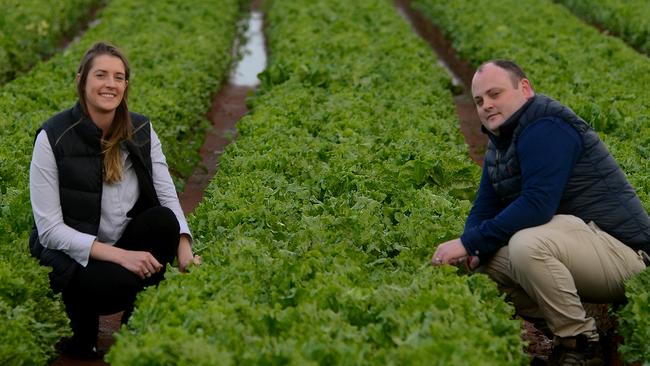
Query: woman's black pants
x=103, y=288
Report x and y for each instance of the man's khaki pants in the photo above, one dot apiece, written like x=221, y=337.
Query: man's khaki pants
x=547, y=270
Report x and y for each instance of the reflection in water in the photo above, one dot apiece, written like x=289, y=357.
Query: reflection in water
x=253, y=61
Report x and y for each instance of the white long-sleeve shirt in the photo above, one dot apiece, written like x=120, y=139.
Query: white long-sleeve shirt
x=117, y=199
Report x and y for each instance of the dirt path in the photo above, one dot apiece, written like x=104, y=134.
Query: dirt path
x=470, y=127
x=228, y=107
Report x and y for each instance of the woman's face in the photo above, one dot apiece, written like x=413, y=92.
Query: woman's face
x=105, y=85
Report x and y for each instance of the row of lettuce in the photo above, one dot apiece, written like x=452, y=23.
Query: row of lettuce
x=176, y=66
x=600, y=77
x=625, y=19
x=33, y=29
x=318, y=227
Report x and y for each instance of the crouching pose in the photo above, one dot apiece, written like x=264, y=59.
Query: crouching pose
x=107, y=217
x=555, y=221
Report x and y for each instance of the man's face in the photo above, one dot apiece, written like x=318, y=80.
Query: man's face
x=496, y=97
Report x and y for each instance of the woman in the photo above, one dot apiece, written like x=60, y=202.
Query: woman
x=107, y=217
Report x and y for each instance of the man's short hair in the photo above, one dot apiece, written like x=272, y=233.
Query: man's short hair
x=515, y=71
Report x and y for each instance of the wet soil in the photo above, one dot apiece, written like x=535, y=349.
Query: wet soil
x=470, y=127
x=228, y=107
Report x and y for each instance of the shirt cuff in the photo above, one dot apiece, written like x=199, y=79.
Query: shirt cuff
x=80, y=250
x=184, y=228
x=471, y=240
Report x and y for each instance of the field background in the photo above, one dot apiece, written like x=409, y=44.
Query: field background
x=317, y=229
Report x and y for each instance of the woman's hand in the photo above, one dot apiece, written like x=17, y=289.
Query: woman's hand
x=143, y=264
x=185, y=256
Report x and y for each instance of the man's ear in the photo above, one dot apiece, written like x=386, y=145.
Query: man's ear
x=77, y=78
x=526, y=88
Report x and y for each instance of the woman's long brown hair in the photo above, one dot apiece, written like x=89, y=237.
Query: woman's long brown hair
x=121, y=128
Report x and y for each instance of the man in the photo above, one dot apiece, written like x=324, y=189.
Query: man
x=555, y=221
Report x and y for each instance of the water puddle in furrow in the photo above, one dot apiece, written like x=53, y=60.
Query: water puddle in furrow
x=461, y=73
x=228, y=107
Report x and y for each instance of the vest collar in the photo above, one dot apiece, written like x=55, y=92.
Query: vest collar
x=508, y=127
x=86, y=128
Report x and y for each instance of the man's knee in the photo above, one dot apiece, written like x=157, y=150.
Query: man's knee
x=525, y=246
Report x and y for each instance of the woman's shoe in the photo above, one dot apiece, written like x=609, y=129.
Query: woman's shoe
x=80, y=351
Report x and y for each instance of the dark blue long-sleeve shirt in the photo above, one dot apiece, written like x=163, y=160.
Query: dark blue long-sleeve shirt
x=547, y=151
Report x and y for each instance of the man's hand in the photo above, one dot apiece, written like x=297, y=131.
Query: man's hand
x=185, y=256
x=450, y=252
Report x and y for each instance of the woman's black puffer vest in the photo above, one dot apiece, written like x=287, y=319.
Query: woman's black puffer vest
x=597, y=189
x=75, y=142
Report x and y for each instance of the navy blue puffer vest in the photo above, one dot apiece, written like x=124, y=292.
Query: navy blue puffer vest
x=597, y=189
